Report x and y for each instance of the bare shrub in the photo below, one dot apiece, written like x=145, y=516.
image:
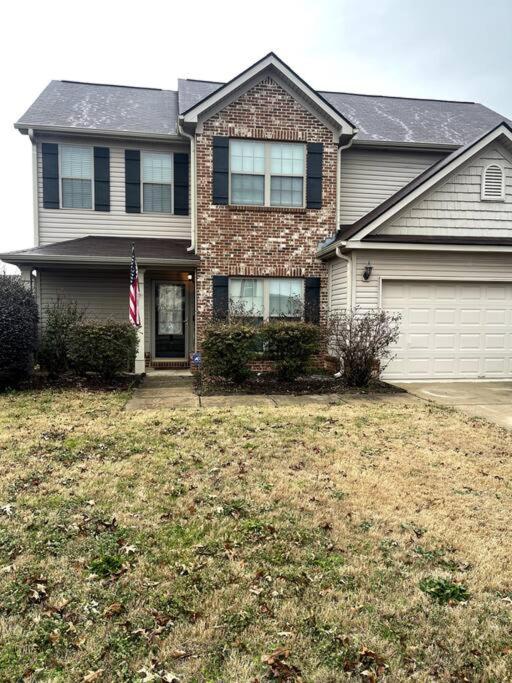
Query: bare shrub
x=360, y=341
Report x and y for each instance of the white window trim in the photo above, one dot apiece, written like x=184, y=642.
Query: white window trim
x=483, y=196
x=142, y=155
x=266, y=293
x=61, y=178
x=267, y=174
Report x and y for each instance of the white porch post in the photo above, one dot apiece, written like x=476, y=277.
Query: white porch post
x=140, y=363
x=26, y=276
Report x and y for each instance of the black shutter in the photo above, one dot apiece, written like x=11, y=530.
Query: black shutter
x=101, y=179
x=220, y=297
x=181, y=184
x=132, y=180
x=220, y=170
x=50, y=152
x=312, y=300
x=314, y=177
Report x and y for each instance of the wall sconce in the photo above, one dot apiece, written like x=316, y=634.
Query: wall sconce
x=190, y=276
x=367, y=272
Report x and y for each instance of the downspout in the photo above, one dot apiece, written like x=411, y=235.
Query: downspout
x=338, y=179
x=348, y=259
x=193, y=193
x=35, y=198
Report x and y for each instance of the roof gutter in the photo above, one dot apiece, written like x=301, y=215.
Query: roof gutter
x=92, y=260
x=24, y=129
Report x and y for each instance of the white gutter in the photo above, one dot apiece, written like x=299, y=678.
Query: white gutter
x=35, y=197
x=338, y=181
x=348, y=259
x=98, y=132
x=193, y=190
x=90, y=260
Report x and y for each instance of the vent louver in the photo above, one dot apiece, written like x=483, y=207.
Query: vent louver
x=493, y=182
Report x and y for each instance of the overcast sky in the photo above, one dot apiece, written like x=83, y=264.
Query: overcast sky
x=452, y=49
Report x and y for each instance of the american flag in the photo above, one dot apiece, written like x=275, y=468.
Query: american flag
x=134, y=291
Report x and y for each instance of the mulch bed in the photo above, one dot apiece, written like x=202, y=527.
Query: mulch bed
x=40, y=381
x=267, y=383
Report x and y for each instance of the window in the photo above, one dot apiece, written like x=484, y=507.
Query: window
x=267, y=298
x=76, y=169
x=157, y=182
x=267, y=173
x=493, y=183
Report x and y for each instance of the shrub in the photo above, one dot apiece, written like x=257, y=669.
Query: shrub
x=103, y=347
x=360, y=342
x=61, y=320
x=18, y=330
x=228, y=349
x=290, y=345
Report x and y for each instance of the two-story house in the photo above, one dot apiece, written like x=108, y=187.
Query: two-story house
x=263, y=190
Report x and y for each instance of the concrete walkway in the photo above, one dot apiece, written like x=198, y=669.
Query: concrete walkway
x=171, y=389
x=490, y=400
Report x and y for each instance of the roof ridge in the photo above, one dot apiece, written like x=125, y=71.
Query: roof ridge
x=115, y=85
x=396, y=97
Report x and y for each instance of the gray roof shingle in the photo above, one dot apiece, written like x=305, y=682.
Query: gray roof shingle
x=67, y=104
x=88, y=106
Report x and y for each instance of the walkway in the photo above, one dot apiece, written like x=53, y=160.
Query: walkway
x=174, y=389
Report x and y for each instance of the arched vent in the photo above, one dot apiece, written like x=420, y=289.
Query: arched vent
x=493, y=182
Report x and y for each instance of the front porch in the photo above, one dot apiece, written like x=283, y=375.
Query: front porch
x=94, y=273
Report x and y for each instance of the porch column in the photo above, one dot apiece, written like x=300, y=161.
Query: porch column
x=26, y=276
x=140, y=363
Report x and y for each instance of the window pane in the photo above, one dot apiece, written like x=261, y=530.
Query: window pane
x=286, y=298
x=246, y=297
x=247, y=156
x=247, y=189
x=286, y=191
x=76, y=194
x=157, y=198
x=156, y=167
x=76, y=162
x=287, y=159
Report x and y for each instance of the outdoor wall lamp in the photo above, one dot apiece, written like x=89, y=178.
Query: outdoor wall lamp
x=367, y=272
x=190, y=276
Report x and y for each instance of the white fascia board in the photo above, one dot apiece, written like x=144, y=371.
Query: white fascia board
x=411, y=246
x=192, y=115
x=424, y=187
x=92, y=260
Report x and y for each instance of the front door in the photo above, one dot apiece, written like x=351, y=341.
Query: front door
x=170, y=320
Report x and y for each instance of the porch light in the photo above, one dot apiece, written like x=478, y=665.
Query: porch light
x=190, y=276
x=367, y=272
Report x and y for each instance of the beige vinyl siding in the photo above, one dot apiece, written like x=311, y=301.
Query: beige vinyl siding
x=483, y=267
x=63, y=224
x=455, y=207
x=338, y=284
x=368, y=177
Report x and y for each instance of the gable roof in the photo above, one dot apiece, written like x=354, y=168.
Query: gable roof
x=418, y=186
x=103, y=108
x=386, y=119
x=272, y=64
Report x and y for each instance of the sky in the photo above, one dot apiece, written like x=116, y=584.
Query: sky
x=442, y=49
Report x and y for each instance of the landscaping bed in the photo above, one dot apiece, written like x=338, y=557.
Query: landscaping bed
x=268, y=383
x=366, y=542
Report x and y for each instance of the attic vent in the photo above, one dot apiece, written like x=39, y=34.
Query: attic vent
x=493, y=182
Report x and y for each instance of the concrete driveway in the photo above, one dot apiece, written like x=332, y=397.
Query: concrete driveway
x=491, y=400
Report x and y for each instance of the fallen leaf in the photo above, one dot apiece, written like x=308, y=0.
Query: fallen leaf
x=113, y=609
x=92, y=676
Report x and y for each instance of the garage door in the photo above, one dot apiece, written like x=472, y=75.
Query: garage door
x=451, y=330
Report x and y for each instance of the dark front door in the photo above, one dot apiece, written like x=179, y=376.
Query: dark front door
x=170, y=320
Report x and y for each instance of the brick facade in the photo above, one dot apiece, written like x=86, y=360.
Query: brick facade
x=261, y=241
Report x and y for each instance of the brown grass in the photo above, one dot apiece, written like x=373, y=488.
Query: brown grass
x=252, y=544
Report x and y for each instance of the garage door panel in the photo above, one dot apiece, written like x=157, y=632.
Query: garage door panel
x=451, y=329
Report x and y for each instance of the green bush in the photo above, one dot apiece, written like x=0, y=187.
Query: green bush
x=18, y=330
x=61, y=320
x=228, y=349
x=103, y=347
x=291, y=345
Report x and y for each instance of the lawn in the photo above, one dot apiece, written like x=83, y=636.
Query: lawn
x=363, y=542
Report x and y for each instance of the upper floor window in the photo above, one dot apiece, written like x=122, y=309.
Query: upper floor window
x=157, y=174
x=267, y=173
x=76, y=173
x=493, y=183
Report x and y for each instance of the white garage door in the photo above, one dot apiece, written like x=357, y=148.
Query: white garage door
x=451, y=330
